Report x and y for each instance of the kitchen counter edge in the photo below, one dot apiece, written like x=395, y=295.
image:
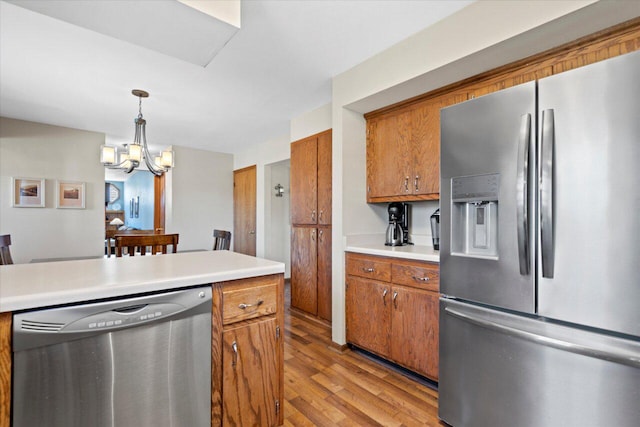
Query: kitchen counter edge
x=413, y=252
x=33, y=286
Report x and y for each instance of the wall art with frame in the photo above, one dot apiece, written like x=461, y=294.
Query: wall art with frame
x=27, y=192
x=70, y=195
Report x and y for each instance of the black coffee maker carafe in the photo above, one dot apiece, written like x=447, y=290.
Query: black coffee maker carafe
x=398, y=229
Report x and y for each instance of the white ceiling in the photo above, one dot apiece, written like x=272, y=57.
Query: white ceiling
x=276, y=67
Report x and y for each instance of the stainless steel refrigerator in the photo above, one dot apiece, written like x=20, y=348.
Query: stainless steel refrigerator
x=540, y=252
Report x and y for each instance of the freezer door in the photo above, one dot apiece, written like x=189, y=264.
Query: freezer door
x=498, y=369
x=590, y=195
x=487, y=217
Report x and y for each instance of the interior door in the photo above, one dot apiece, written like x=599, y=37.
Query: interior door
x=244, y=210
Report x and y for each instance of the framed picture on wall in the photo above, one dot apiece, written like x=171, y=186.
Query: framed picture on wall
x=27, y=192
x=70, y=195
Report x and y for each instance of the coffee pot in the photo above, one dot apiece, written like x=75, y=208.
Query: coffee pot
x=397, y=229
x=435, y=229
x=394, y=234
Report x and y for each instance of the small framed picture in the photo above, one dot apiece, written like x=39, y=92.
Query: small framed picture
x=28, y=192
x=70, y=195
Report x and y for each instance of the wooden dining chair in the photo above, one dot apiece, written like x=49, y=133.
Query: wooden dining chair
x=140, y=242
x=5, y=253
x=221, y=240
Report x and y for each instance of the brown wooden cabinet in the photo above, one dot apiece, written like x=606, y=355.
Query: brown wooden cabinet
x=392, y=310
x=311, y=180
x=248, y=352
x=311, y=220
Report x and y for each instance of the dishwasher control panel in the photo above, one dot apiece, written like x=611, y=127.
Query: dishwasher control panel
x=48, y=326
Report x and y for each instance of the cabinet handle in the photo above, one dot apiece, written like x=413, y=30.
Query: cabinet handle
x=415, y=182
x=406, y=184
x=313, y=215
x=420, y=279
x=368, y=270
x=320, y=215
x=234, y=347
x=320, y=234
x=313, y=235
x=395, y=299
x=384, y=296
x=244, y=306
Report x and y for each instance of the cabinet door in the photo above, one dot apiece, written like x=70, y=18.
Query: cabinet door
x=368, y=309
x=388, y=154
x=304, y=267
x=304, y=181
x=250, y=374
x=324, y=178
x=324, y=273
x=414, y=330
x=425, y=143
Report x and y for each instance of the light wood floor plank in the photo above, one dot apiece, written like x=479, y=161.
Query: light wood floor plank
x=325, y=387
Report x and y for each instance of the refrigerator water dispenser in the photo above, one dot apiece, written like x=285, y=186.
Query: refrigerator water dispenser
x=474, y=216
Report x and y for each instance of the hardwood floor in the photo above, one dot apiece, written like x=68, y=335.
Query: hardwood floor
x=327, y=387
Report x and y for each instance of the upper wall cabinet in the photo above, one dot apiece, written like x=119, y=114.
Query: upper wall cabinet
x=403, y=151
x=311, y=180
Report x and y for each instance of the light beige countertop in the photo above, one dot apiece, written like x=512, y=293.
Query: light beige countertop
x=28, y=286
x=374, y=245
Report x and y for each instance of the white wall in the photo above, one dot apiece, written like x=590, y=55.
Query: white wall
x=199, y=196
x=277, y=215
x=482, y=36
x=35, y=150
x=261, y=155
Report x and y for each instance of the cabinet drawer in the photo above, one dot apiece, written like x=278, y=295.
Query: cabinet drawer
x=417, y=275
x=248, y=302
x=370, y=267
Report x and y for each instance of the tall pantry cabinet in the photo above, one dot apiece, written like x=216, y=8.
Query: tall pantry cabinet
x=311, y=225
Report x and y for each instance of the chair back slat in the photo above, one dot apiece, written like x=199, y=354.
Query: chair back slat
x=140, y=242
x=5, y=252
x=221, y=240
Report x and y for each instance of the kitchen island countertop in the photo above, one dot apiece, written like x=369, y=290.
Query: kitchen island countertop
x=30, y=286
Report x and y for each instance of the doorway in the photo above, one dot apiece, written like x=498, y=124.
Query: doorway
x=244, y=210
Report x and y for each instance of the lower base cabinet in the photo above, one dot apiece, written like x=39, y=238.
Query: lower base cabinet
x=249, y=374
x=248, y=352
x=392, y=310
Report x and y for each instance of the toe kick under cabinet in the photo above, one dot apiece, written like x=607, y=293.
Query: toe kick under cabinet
x=392, y=310
x=247, y=363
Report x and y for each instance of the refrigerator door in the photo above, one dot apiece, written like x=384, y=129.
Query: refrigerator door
x=499, y=369
x=590, y=195
x=487, y=218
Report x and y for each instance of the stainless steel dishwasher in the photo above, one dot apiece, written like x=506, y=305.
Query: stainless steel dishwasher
x=140, y=361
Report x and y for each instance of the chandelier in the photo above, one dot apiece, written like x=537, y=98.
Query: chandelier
x=137, y=152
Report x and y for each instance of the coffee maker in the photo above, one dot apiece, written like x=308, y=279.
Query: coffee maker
x=398, y=229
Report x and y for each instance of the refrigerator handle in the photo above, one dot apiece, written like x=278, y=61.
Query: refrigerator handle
x=623, y=358
x=546, y=193
x=522, y=193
